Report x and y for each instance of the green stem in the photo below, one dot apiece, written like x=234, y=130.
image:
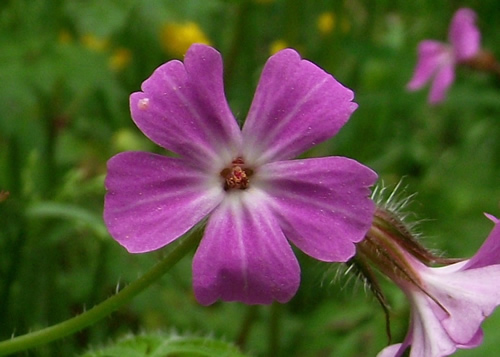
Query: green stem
x=231, y=58
x=246, y=326
x=105, y=308
x=274, y=329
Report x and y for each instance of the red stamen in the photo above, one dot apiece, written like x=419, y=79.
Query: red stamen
x=235, y=176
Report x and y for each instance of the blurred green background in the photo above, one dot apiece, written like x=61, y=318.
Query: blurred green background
x=67, y=68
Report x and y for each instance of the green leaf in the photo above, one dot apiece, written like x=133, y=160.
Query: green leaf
x=164, y=345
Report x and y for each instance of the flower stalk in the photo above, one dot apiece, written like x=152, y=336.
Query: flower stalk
x=77, y=323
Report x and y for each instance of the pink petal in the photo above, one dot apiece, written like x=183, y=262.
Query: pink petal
x=182, y=108
x=489, y=253
x=443, y=80
x=244, y=255
x=475, y=341
x=152, y=200
x=296, y=106
x=469, y=296
x=391, y=351
x=323, y=204
x=428, y=336
x=464, y=35
x=430, y=58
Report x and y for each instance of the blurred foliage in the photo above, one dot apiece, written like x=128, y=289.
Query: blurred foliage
x=165, y=345
x=66, y=70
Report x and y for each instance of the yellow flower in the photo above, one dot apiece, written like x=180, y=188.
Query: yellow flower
x=277, y=46
x=176, y=38
x=94, y=43
x=326, y=23
x=119, y=59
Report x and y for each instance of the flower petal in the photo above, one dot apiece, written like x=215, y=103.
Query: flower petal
x=475, y=341
x=428, y=336
x=464, y=35
x=489, y=253
x=443, y=80
x=430, y=57
x=392, y=351
x=469, y=296
x=244, y=255
x=182, y=108
x=323, y=204
x=152, y=199
x=296, y=106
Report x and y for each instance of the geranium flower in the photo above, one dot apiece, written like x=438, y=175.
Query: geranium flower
x=451, y=303
x=242, y=182
x=437, y=60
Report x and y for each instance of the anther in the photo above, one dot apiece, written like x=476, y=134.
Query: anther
x=236, y=176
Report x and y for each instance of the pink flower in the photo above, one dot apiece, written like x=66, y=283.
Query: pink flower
x=241, y=182
x=451, y=302
x=437, y=60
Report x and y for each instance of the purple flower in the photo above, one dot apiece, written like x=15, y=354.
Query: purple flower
x=438, y=60
x=242, y=182
x=451, y=303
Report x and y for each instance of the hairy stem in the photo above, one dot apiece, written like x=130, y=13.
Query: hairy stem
x=105, y=308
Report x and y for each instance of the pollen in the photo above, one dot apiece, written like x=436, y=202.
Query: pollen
x=237, y=176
